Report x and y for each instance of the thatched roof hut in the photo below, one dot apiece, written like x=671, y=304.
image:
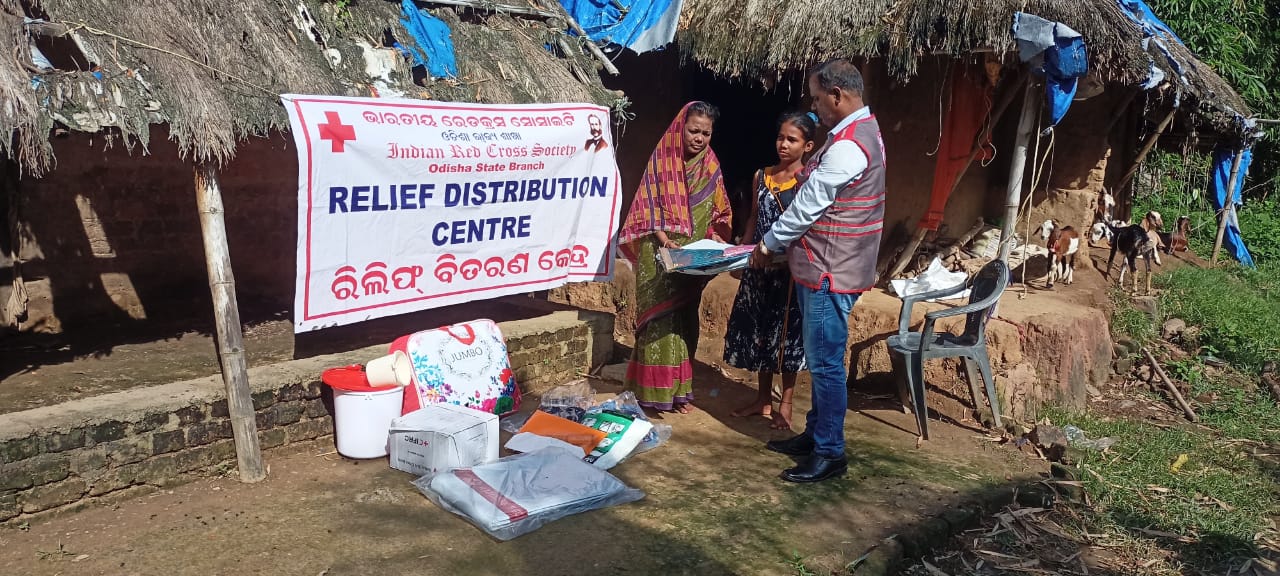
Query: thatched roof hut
x=761, y=38
x=213, y=70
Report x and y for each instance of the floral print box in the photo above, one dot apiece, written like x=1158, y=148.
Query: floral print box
x=464, y=364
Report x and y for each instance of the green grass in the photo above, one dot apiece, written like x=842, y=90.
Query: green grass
x=1236, y=407
x=1221, y=496
x=1130, y=322
x=1237, y=311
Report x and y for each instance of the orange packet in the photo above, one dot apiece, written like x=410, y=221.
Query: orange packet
x=553, y=426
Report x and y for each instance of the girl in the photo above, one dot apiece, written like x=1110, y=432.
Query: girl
x=764, y=328
x=681, y=199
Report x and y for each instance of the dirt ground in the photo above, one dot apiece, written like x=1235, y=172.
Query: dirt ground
x=714, y=505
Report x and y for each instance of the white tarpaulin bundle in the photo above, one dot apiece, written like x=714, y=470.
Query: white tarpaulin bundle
x=405, y=205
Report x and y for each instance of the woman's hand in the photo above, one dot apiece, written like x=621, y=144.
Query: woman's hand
x=670, y=244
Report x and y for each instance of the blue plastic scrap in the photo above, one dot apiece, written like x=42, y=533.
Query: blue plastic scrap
x=434, y=41
x=1153, y=30
x=1141, y=14
x=1231, y=239
x=1056, y=51
x=641, y=25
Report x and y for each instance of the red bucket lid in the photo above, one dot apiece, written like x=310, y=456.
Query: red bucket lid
x=350, y=378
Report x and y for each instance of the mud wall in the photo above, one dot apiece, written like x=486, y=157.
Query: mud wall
x=113, y=235
x=910, y=116
x=1083, y=161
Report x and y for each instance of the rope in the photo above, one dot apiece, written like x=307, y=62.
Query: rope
x=1037, y=170
x=98, y=32
x=942, y=92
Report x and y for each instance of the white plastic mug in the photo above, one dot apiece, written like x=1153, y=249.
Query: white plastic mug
x=390, y=370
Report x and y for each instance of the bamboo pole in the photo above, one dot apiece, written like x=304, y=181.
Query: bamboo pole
x=1173, y=390
x=1146, y=149
x=1017, y=167
x=235, y=375
x=996, y=114
x=591, y=46
x=1228, y=208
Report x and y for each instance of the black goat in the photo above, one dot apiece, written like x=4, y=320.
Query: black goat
x=1133, y=242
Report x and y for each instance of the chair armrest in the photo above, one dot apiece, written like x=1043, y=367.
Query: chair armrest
x=904, y=316
x=985, y=303
x=926, y=336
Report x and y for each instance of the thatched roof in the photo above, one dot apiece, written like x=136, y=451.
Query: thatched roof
x=762, y=37
x=213, y=70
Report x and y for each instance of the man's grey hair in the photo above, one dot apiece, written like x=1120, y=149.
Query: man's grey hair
x=838, y=73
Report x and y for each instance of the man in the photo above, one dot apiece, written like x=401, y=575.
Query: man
x=596, y=143
x=832, y=229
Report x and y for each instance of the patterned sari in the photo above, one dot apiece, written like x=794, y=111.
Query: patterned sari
x=685, y=199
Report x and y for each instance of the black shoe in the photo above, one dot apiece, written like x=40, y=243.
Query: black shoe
x=800, y=445
x=816, y=469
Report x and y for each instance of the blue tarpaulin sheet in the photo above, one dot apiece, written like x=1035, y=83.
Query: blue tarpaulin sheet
x=1058, y=52
x=640, y=25
x=1231, y=239
x=434, y=40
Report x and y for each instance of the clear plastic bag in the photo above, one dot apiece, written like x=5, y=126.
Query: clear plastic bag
x=577, y=394
x=519, y=494
x=569, y=401
x=1078, y=439
x=626, y=402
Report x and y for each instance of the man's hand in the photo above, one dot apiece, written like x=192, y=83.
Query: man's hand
x=760, y=257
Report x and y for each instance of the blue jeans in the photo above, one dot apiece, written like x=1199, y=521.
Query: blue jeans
x=826, y=335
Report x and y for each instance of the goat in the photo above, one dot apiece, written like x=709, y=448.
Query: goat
x=1063, y=244
x=1133, y=241
x=1176, y=240
x=1101, y=230
x=1098, y=231
x=1106, y=207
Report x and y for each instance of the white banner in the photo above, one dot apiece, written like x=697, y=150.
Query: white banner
x=405, y=205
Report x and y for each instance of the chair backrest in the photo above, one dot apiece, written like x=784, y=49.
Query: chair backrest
x=987, y=286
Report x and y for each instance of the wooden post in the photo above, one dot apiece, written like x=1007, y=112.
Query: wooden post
x=1018, y=166
x=222, y=284
x=1228, y=208
x=996, y=114
x=1146, y=149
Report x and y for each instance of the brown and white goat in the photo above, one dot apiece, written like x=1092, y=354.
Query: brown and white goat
x=1063, y=243
x=1106, y=207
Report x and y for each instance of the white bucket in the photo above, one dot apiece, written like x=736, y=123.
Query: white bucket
x=362, y=421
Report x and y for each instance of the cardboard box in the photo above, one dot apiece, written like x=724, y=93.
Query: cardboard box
x=443, y=436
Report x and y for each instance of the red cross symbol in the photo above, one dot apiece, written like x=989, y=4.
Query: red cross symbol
x=336, y=131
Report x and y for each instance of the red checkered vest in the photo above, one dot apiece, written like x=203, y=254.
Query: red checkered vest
x=842, y=246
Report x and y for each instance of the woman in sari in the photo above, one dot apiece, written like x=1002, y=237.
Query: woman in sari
x=681, y=199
